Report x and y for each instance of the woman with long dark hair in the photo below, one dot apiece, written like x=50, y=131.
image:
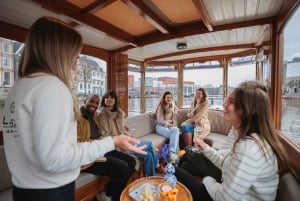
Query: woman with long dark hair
x=166, y=120
x=251, y=168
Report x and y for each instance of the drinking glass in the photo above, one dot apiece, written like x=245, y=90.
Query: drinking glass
x=197, y=133
x=133, y=130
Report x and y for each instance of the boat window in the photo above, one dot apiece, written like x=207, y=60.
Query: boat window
x=240, y=69
x=208, y=75
x=290, y=119
x=10, y=53
x=90, y=77
x=134, y=89
x=158, y=80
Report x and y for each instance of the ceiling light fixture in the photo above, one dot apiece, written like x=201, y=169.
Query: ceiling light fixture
x=181, y=46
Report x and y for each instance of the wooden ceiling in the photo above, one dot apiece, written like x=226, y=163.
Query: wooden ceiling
x=149, y=30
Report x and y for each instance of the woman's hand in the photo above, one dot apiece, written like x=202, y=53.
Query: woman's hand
x=200, y=144
x=128, y=144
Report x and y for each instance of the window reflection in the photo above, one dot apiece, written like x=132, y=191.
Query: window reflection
x=208, y=75
x=290, y=120
x=158, y=80
x=134, y=89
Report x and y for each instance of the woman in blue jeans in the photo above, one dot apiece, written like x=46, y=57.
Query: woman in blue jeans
x=197, y=116
x=166, y=120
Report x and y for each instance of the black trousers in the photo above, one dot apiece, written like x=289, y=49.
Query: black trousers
x=196, y=187
x=198, y=165
x=63, y=193
x=119, y=166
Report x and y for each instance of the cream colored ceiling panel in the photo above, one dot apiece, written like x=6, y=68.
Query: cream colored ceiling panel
x=99, y=39
x=229, y=11
x=23, y=12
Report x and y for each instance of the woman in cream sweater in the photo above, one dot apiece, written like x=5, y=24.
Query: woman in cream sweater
x=197, y=116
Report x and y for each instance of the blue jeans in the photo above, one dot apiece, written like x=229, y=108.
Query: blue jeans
x=150, y=160
x=187, y=128
x=172, y=133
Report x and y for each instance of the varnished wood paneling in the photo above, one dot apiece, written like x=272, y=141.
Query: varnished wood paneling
x=294, y=154
x=285, y=13
x=117, y=78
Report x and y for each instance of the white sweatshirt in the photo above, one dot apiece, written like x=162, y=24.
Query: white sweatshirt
x=40, y=134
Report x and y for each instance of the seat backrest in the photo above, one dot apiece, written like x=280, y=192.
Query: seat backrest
x=217, y=123
x=5, y=176
x=142, y=123
x=288, y=188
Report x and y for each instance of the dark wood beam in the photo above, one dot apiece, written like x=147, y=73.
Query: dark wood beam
x=288, y=8
x=226, y=47
x=139, y=7
x=13, y=32
x=78, y=14
x=203, y=13
x=96, y=52
x=97, y=5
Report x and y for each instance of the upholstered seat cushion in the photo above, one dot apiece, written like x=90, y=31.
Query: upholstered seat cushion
x=288, y=189
x=85, y=178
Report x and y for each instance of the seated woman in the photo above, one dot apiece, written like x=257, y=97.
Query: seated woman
x=111, y=118
x=116, y=169
x=197, y=116
x=251, y=168
x=166, y=120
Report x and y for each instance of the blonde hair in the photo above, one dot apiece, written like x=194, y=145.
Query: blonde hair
x=52, y=47
x=204, y=100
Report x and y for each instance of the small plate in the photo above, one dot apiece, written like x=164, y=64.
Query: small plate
x=135, y=193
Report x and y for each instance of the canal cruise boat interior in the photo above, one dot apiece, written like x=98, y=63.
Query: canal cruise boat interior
x=141, y=48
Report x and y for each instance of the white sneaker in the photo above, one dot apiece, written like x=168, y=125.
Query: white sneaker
x=103, y=197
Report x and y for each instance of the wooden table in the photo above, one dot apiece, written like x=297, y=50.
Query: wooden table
x=183, y=192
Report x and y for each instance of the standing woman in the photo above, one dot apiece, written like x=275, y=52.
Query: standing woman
x=166, y=120
x=39, y=118
x=111, y=118
x=197, y=116
x=251, y=169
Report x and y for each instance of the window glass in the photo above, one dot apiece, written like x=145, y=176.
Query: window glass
x=90, y=77
x=158, y=80
x=290, y=120
x=6, y=62
x=11, y=53
x=208, y=75
x=134, y=89
x=6, y=46
x=240, y=69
